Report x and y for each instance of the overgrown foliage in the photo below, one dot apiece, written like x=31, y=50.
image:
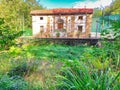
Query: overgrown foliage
x=97, y=12
x=114, y=8
x=34, y=66
x=17, y=12
x=14, y=17
x=56, y=67
x=7, y=35
x=82, y=77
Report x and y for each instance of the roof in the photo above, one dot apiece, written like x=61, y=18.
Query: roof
x=62, y=11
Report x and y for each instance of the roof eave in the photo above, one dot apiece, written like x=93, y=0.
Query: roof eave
x=60, y=13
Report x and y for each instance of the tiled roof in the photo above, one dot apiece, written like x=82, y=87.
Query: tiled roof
x=37, y=12
x=62, y=11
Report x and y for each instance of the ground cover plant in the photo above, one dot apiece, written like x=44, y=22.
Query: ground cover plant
x=60, y=67
x=30, y=64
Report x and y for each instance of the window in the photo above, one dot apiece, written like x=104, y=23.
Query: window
x=41, y=18
x=80, y=28
x=51, y=20
x=60, y=23
x=51, y=28
x=41, y=29
x=80, y=18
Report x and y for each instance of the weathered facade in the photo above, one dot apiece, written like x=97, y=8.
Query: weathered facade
x=71, y=23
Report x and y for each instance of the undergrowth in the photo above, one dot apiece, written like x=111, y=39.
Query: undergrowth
x=60, y=67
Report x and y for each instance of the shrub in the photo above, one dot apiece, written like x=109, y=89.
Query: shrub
x=23, y=69
x=20, y=70
x=12, y=83
x=7, y=35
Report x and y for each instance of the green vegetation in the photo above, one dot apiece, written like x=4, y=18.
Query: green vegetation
x=113, y=9
x=27, y=32
x=7, y=35
x=34, y=65
x=60, y=67
x=14, y=19
x=17, y=12
x=97, y=12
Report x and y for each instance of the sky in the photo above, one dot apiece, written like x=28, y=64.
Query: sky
x=75, y=3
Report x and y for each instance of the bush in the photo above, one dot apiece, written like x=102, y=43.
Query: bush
x=20, y=70
x=7, y=35
x=23, y=69
x=12, y=83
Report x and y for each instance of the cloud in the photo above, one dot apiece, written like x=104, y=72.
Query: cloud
x=92, y=4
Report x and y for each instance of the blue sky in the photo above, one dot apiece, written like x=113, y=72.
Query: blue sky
x=74, y=3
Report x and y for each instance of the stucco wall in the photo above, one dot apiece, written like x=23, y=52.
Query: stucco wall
x=71, y=23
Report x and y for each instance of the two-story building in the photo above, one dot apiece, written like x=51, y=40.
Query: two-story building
x=63, y=22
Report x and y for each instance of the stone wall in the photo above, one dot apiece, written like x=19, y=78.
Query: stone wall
x=70, y=25
x=88, y=24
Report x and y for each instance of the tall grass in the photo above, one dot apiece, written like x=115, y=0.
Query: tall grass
x=56, y=67
x=81, y=78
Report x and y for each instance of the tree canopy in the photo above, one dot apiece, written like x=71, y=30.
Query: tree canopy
x=14, y=16
x=17, y=12
x=114, y=8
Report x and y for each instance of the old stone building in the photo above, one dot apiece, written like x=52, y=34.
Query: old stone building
x=64, y=22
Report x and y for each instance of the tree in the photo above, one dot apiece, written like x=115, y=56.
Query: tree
x=97, y=12
x=114, y=8
x=7, y=35
x=16, y=13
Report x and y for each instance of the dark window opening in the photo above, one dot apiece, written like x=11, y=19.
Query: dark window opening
x=41, y=18
x=80, y=18
x=69, y=20
x=80, y=28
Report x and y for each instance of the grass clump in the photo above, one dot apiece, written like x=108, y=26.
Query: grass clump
x=60, y=67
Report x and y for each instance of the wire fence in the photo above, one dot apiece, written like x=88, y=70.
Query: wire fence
x=104, y=22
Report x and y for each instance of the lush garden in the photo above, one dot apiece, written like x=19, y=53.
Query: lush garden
x=28, y=64
x=60, y=67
